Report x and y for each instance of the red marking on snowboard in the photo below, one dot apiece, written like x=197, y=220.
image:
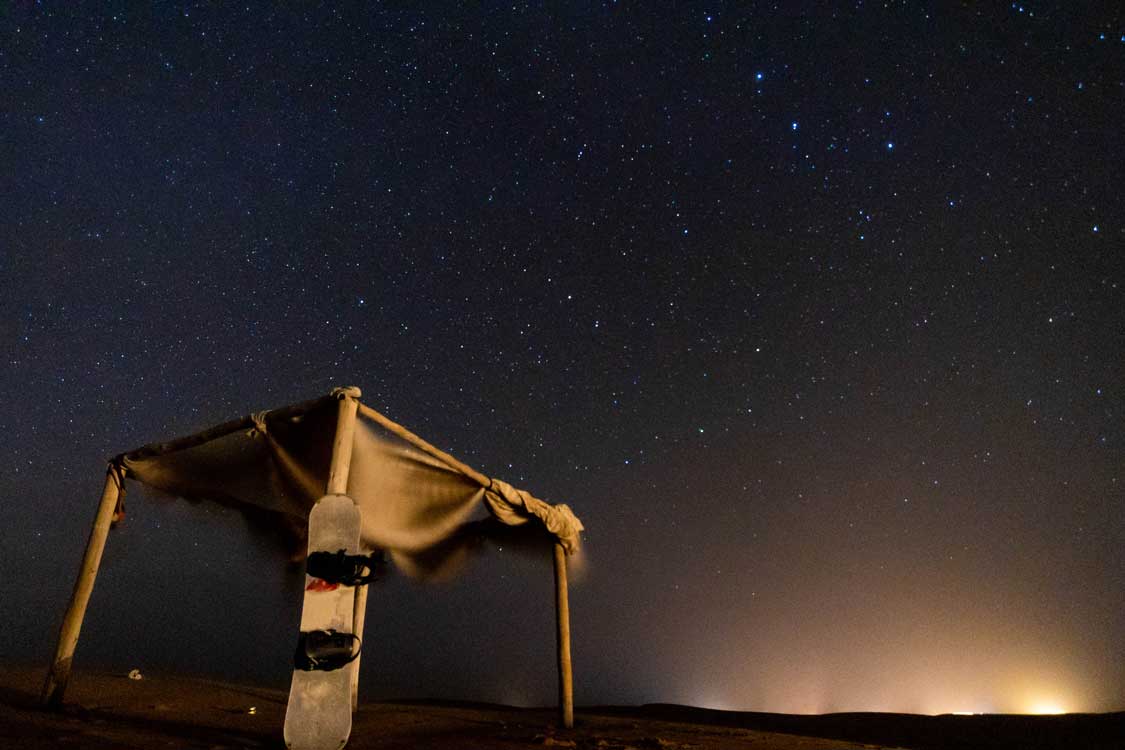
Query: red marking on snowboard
x=319, y=584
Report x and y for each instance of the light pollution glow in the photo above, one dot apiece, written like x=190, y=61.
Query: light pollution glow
x=825, y=665
x=1042, y=706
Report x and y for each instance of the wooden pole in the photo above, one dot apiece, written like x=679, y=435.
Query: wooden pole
x=342, y=444
x=562, y=608
x=58, y=674
x=359, y=615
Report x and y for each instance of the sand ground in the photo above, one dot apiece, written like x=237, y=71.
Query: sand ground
x=111, y=711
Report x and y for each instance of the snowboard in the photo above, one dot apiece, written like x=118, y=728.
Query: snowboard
x=319, y=715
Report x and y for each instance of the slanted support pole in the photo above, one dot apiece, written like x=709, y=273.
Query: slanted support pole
x=562, y=610
x=338, y=485
x=58, y=674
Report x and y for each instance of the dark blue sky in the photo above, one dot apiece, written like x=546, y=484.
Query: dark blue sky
x=815, y=318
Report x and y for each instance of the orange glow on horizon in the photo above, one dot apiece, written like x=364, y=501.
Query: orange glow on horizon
x=1046, y=707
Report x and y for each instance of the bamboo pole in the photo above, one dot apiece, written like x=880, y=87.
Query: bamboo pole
x=342, y=443
x=58, y=674
x=562, y=610
x=359, y=616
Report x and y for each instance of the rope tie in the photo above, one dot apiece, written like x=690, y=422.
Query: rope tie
x=259, y=420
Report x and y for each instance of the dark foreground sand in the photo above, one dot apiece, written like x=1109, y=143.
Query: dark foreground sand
x=111, y=711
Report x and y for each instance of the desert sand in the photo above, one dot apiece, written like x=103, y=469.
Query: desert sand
x=106, y=710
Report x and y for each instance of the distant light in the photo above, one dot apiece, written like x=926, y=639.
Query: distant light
x=1095, y=229
x=890, y=145
x=758, y=76
x=1046, y=708
x=793, y=125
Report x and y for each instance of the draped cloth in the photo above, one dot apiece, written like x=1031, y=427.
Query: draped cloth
x=427, y=514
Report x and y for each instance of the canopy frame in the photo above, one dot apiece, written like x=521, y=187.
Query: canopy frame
x=59, y=668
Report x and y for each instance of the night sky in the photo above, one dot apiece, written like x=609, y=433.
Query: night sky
x=817, y=321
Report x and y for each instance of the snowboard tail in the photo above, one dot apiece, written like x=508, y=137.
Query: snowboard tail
x=319, y=714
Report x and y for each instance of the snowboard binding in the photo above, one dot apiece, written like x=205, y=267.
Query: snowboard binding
x=348, y=570
x=326, y=650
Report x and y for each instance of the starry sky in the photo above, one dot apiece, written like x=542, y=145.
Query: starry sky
x=815, y=315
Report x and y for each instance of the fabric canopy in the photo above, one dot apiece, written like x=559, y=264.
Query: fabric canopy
x=413, y=504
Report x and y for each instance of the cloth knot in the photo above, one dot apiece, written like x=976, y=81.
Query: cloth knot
x=515, y=507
